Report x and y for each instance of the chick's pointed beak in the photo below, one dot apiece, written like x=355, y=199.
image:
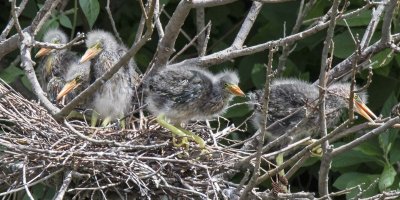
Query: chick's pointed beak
x=67, y=89
x=363, y=110
x=42, y=52
x=89, y=54
x=235, y=90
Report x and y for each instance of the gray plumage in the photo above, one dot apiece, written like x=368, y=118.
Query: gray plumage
x=182, y=94
x=80, y=73
x=54, y=87
x=55, y=61
x=113, y=99
x=294, y=102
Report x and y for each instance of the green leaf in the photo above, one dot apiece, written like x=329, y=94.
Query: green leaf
x=258, y=75
x=10, y=73
x=91, y=9
x=351, y=158
x=65, y=21
x=351, y=179
x=387, y=139
x=387, y=177
x=363, y=18
x=239, y=110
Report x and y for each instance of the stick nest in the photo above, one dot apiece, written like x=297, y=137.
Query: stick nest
x=139, y=162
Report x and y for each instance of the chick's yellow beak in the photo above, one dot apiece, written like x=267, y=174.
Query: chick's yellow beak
x=363, y=110
x=42, y=52
x=235, y=90
x=90, y=54
x=67, y=89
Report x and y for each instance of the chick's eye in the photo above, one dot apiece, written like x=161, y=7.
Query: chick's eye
x=226, y=84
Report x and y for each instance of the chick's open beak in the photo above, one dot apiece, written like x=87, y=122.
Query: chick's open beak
x=363, y=110
x=234, y=89
x=42, y=52
x=67, y=89
x=89, y=54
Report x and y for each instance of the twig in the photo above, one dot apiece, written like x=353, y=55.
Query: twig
x=365, y=137
x=24, y=182
x=67, y=180
x=15, y=18
x=326, y=161
x=261, y=136
x=10, y=24
x=110, y=17
x=191, y=42
x=246, y=25
x=32, y=183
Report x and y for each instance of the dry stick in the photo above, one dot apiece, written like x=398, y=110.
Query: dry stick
x=15, y=18
x=24, y=181
x=286, y=49
x=157, y=21
x=387, y=21
x=371, y=28
x=200, y=25
x=166, y=45
x=106, y=76
x=27, y=65
x=191, y=42
x=113, y=143
x=261, y=136
x=61, y=192
x=246, y=26
x=112, y=22
x=325, y=161
x=365, y=137
x=10, y=24
x=33, y=183
x=76, y=41
x=229, y=53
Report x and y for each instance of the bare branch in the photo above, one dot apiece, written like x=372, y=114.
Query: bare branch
x=110, y=17
x=246, y=25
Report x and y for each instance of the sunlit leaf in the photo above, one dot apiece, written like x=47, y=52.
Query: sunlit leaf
x=91, y=9
x=65, y=21
x=387, y=177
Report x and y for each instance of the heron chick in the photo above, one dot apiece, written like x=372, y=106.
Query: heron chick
x=293, y=108
x=55, y=61
x=114, y=97
x=189, y=93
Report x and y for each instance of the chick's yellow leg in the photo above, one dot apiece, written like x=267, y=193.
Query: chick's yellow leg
x=93, y=119
x=174, y=130
x=194, y=137
x=106, y=121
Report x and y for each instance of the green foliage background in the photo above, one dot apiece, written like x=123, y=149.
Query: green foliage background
x=373, y=164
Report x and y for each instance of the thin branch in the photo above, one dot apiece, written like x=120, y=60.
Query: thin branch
x=24, y=182
x=33, y=183
x=387, y=21
x=365, y=137
x=325, y=162
x=229, y=53
x=246, y=25
x=10, y=24
x=157, y=20
x=27, y=65
x=191, y=42
x=261, y=136
x=67, y=180
x=15, y=18
x=200, y=26
x=110, y=17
